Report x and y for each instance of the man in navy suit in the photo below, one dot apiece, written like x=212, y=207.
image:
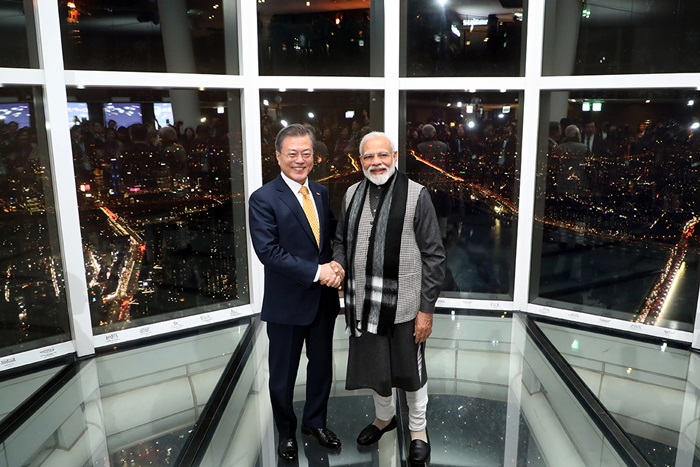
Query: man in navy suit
x=300, y=304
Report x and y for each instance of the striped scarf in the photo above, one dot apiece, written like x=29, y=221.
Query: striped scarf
x=382, y=269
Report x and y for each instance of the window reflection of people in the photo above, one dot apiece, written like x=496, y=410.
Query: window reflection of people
x=554, y=136
x=173, y=154
x=187, y=138
x=138, y=160
x=321, y=152
x=553, y=141
x=432, y=149
x=390, y=245
x=593, y=140
x=339, y=152
x=572, y=179
x=300, y=302
x=573, y=196
x=22, y=156
x=509, y=148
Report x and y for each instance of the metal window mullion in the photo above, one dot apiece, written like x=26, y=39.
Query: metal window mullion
x=392, y=37
x=636, y=81
x=130, y=79
x=63, y=176
x=250, y=109
x=462, y=82
x=559, y=312
x=24, y=77
x=528, y=158
x=302, y=83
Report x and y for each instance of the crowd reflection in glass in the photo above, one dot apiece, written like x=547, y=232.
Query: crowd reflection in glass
x=619, y=218
x=471, y=172
x=470, y=169
x=32, y=299
x=158, y=224
x=336, y=150
x=617, y=205
x=617, y=215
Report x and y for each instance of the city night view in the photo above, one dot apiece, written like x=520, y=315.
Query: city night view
x=558, y=142
x=614, y=225
x=32, y=300
x=162, y=216
x=162, y=223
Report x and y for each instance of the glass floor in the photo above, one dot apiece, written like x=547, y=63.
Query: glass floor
x=504, y=391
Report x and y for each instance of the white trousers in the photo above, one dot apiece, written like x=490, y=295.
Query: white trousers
x=417, y=404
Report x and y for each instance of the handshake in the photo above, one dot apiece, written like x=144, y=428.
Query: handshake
x=332, y=275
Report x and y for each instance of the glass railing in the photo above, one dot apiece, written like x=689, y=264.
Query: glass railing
x=135, y=407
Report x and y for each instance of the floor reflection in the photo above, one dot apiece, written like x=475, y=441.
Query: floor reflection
x=491, y=403
x=495, y=399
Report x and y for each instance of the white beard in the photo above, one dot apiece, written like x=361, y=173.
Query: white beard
x=382, y=178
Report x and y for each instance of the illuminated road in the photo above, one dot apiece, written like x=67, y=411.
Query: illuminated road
x=655, y=300
x=662, y=290
x=118, y=303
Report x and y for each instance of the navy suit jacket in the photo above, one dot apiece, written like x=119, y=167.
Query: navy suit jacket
x=283, y=240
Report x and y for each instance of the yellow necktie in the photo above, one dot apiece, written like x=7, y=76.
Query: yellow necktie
x=308, y=205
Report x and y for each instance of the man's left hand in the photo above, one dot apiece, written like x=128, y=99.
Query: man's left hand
x=424, y=326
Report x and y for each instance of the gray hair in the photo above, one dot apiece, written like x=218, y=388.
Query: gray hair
x=168, y=134
x=572, y=132
x=428, y=130
x=372, y=135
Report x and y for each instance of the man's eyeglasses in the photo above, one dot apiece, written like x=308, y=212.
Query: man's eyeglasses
x=382, y=155
x=304, y=155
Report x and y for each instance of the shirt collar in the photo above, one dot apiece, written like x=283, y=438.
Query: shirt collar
x=293, y=185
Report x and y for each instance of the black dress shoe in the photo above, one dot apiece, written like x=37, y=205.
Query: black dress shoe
x=324, y=436
x=419, y=451
x=371, y=434
x=287, y=449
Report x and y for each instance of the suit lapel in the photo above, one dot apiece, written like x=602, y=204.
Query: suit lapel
x=290, y=199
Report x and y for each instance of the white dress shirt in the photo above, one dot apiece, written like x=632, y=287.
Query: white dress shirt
x=295, y=187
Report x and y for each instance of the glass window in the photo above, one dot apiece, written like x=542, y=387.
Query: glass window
x=627, y=36
x=320, y=38
x=464, y=147
x=542, y=386
x=339, y=118
x=14, y=52
x=615, y=231
x=144, y=36
x=463, y=38
x=624, y=374
x=17, y=390
x=160, y=189
x=129, y=408
x=33, y=310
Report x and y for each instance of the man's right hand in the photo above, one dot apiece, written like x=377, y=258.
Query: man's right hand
x=332, y=274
